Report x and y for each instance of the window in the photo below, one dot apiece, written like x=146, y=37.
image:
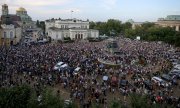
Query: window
x=62, y=26
x=11, y=34
x=66, y=26
x=57, y=36
x=5, y=35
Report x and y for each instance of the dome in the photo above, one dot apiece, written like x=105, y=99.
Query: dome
x=21, y=9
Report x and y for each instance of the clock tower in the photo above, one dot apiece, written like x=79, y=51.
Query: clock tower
x=5, y=10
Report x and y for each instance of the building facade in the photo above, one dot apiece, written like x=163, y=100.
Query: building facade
x=14, y=26
x=59, y=29
x=136, y=24
x=170, y=21
x=10, y=34
x=10, y=30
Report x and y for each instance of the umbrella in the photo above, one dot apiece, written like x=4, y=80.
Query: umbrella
x=105, y=78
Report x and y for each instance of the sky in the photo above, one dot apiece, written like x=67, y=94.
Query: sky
x=96, y=10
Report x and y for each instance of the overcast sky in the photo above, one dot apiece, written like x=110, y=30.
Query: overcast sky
x=97, y=10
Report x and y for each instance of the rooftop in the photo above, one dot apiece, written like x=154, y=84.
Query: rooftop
x=170, y=18
x=52, y=20
x=21, y=9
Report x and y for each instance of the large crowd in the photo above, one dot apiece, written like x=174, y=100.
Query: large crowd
x=33, y=65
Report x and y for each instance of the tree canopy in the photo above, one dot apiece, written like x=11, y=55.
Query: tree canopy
x=147, y=31
x=112, y=27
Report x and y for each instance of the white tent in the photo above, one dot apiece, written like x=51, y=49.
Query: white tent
x=64, y=65
x=77, y=69
x=138, y=38
x=60, y=63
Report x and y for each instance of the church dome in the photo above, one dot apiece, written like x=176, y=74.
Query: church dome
x=21, y=9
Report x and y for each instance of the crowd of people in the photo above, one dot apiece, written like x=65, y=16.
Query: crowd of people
x=33, y=65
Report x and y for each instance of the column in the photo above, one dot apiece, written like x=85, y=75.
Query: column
x=177, y=28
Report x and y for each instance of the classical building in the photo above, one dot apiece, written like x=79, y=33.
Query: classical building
x=76, y=29
x=136, y=24
x=23, y=14
x=26, y=20
x=10, y=30
x=170, y=21
x=14, y=26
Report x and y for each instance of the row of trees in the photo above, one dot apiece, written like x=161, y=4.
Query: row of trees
x=112, y=27
x=41, y=24
x=152, y=32
x=26, y=97
x=147, y=31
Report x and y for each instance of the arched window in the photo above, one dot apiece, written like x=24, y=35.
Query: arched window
x=76, y=36
x=11, y=34
x=5, y=35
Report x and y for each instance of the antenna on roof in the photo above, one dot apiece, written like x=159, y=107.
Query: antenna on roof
x=71, y=13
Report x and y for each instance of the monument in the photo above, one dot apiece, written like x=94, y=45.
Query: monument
x=111, y=53
x=112, y=47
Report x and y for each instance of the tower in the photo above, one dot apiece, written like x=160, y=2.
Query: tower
x=5, y=10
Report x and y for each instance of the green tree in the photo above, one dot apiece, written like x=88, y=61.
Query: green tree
x=15, y=97
x=177, y=39
x=49, y=100
x=147, y=25
x=37, y=23
x=138, y=101
x=92, y=25
x=126, y=26
x=42, y=26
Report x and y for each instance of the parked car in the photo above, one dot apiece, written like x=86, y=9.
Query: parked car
x=76, y=70
x=166, y=77
x=175, y=74
x=172, y=79
x=63, y=67
x=58, y=65
x=177, y=66
x=156, y=79
x=160, y=81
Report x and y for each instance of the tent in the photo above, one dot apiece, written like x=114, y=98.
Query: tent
x=60, y=63
x=77, y=69
x=64, y=65
x=138, y=38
